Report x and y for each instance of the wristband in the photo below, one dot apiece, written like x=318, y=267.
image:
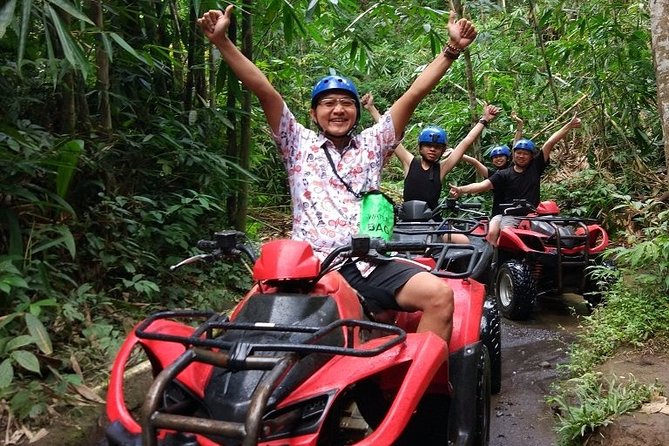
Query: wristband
x=484, y=122
x=451, y=51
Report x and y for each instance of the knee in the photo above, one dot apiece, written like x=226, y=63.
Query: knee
x=441, y=299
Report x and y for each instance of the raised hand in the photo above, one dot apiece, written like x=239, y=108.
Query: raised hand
x=367, y=101
x=215, y=23
x=575, y=122
x=490, y=112
x=461, y=32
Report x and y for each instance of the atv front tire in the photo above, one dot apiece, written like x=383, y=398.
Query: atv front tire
x=515, y=290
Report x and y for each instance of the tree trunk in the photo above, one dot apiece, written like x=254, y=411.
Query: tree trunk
x=233, y=148
x=659, y=27
x=245, y=120
x=471, y=87
x=102, y=62
x=542, y=48
x=189, y=89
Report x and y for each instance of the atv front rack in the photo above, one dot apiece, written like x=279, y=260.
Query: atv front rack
x=573, y=249
x=202, y=347
x=203, y=335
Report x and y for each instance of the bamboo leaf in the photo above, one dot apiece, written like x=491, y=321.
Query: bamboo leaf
x=39, y=334
x=70, y=48
x=68, y=159
x=72, y=10
x=65, y=239
x=123, y=44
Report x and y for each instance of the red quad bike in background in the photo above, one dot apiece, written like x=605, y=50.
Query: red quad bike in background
x=417, y=222
x=299, y=361
x=546, y=255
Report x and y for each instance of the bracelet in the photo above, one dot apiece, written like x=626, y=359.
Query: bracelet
x=484, y=122
x=451, y=51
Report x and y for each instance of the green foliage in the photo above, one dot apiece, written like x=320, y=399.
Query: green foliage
x=91, y=219
x=635, y=311
x=591, y=401
x=588, y=193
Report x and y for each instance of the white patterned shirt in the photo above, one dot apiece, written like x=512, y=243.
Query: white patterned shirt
x=325, y=213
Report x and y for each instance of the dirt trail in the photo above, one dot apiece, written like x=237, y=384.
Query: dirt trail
x=531, y=352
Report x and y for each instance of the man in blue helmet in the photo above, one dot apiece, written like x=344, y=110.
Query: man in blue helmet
x=519, y=181
x=424, y=174
x=330, y=170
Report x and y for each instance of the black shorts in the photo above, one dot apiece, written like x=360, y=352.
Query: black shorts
x=379, y=288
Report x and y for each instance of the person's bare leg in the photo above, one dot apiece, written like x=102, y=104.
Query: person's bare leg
x=493, y=231
x=460, y=239
x=434, y=298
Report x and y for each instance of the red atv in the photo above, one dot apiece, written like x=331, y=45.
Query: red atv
x=417, y=222
x=546, y=254
x=299, y=362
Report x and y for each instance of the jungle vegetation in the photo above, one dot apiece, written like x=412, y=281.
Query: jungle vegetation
x=123, y=140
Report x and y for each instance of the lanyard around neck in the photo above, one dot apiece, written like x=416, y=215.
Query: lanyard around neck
x=334, y=169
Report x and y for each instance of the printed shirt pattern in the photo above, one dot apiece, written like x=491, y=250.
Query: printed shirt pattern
x=325, y=213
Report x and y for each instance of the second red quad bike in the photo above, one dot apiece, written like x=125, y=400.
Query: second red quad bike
x=546, y=254
x=300, y=361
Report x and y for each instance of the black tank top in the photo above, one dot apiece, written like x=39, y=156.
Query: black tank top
x=424, y=185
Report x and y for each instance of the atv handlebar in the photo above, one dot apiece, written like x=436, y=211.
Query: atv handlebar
x=225, y=244
x=454, y=206
x=363, y=247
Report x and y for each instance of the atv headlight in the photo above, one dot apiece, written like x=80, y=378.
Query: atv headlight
x=297, y=419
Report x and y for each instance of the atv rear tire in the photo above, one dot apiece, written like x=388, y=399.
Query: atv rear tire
x=515, y=289
x=491, y=336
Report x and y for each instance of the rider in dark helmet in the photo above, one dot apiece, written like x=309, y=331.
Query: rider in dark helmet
x=330, y=170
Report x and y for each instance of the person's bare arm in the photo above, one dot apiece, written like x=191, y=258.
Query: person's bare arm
x=481, y=169
x=215, y=26
x=574, y=122
x=472, y=188
x=520, y=124
x=461, y=34
x=401, y=152
x=490, y=112
x=367, y=102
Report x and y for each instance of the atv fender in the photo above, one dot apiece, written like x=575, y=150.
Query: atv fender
x=410, y=368
x=161, y=355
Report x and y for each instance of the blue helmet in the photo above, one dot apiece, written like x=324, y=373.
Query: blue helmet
x=525, y=144
x=333, y=83
x=432, y=135
x=500, y=151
